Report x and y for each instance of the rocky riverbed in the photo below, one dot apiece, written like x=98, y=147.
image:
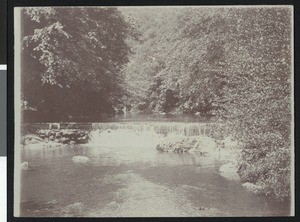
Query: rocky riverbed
x=52, y=137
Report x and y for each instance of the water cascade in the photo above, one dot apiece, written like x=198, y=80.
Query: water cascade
x=146, y=134
x=186, y=129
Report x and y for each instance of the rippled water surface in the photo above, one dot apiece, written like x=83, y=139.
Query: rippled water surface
x=131, y=178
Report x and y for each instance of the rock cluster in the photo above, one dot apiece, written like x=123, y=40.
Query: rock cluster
x=64, y=136
x=31, y=139
x=181, y=144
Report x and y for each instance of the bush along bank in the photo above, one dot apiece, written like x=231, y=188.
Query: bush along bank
x=265, y=170
x=54, y=137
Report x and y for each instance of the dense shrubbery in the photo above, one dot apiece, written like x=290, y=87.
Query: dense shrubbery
x=269, y=169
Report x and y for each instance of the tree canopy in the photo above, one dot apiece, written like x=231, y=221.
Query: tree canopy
x=72, y=60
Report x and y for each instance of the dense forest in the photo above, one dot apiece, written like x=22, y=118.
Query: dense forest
x=232, y=64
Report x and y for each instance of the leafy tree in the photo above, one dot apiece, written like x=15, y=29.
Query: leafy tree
x=170, y=57
x=142, y=74
x=258, y=95
x=72, y=59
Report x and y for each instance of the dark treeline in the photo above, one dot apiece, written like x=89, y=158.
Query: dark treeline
x=71, y=61
x=230, y=63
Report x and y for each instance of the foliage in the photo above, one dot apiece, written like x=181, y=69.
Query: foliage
x=234, y=63
x=169, y=58
x=258, y=96
x=72, y=60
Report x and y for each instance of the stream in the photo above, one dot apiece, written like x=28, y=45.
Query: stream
x=128, y=177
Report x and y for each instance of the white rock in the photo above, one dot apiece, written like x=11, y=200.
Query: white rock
x=24, y=166
x=252, y=187
x=80, y=159
x=229, y=171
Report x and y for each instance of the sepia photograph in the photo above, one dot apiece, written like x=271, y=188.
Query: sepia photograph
x=161, y=111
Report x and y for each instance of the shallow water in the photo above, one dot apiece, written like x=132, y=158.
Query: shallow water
x=128, y=177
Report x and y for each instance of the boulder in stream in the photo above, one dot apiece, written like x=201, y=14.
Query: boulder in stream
x=81, y=159
x=255, y=188
x=229, y=171
x=24, y=166
x=182, y=144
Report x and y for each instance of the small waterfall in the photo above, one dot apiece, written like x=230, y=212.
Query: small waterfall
x=186, y=129
x=124, y=138
x=132, y=134
x=182, y=128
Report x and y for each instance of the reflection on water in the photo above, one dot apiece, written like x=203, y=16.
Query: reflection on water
x=128, y=177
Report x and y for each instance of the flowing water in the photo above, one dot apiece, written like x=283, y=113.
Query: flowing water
x=128, y=177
